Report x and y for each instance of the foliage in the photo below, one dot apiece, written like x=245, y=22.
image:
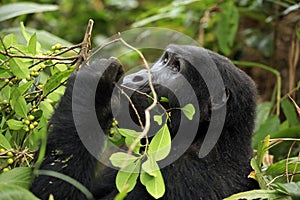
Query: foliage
x=144, y=160
x=33, y=71
x=31, y=84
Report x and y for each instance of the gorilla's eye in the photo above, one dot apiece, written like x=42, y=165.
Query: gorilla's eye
x=175, y=67
x=165, y=59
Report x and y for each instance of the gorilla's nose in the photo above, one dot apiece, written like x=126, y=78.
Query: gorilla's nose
x=136, y=80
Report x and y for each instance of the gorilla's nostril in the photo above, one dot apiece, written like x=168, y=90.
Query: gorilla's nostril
x=137, y=79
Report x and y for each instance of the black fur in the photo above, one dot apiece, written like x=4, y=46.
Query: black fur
x=220, y=174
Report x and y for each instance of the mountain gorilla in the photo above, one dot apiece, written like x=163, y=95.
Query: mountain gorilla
x=219, y=174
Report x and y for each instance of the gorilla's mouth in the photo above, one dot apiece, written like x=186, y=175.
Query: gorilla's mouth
x=142, y=98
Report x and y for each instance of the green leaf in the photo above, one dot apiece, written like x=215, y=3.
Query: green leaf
x=259, y=194
x=227, y=26
x=126, y=177
x=150, y=166
x=14, y=124
x=32, y=44
x=129, y=133
x=4, y=142
x=121, y=159
x=18, y=104
x=154, y=185
x=164, y=99
x=290, y=112
x=26, y=35
x=292, y=189
x=55, y=81
x=12, y=10
x=19, y=68
x=270, y=126
x=129, y=141
x=158, y=119
x=263, y=147
x=10, y=40
x=19, y=176
x=189, y=111
x=281, y=167
x=47, y=109
x=160, y=145
x=258, y=174
x=45, y=38
x=14, y=192
x=25, y=87
x=262, y=114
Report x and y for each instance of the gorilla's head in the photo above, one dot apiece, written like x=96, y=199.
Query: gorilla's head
x=220, y=92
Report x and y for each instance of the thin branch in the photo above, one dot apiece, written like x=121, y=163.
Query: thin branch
x=132, y=105
x=149, y=108
x=85, y=45
x=44, y=58
x=287, y=162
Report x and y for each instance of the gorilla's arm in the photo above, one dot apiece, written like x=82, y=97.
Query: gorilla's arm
x=65, y=153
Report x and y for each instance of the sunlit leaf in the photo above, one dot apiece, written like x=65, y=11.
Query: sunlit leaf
x=18, y=103
x=150, y=166
x=121, y=159
x=154, y=185
x=189, y=111
x=55, y=81
x=14, y=124
x=19, y=68
x=129, y=133
x=32, y=44
x=158, y=119
x=127, y=177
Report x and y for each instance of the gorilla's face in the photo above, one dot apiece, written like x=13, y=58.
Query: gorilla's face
x=175, y=81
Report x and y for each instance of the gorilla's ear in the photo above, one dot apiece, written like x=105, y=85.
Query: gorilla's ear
x=221, y=100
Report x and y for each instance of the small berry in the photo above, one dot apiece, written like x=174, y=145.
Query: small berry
x=2, y=150
x=43, y=66
x=111, y=132
x=27, y=122
x=27, y=129
x=9, y=154
x=11, y=83
x=35, y=109
x=5, y=169
x=7, y=110
x=35, y=123
x=5, y=102
x=28, y=78
x=6, y=80
x=31, y=117
x=58, y=46
x=31, y=126
x=10, y=161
